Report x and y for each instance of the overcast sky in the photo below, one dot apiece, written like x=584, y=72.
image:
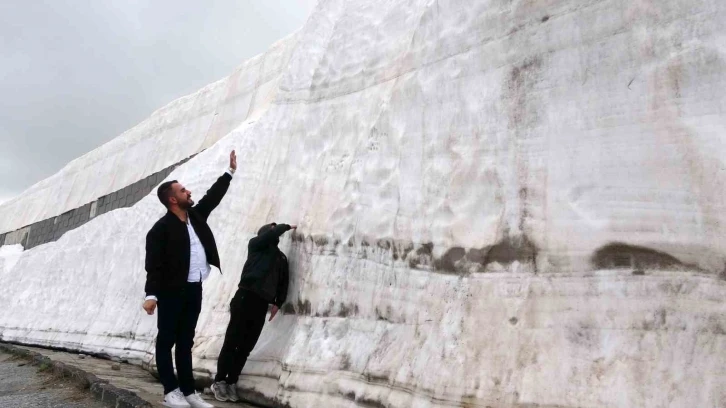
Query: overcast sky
x=75, y=74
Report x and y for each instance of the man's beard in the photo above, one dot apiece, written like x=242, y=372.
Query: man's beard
x=187, y=204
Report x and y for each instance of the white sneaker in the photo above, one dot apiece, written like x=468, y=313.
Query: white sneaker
x=232, y=392
x=175, y=399
x=219, y=389
x=196, y=401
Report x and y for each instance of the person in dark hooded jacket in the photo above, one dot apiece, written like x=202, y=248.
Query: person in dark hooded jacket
x=264, y=281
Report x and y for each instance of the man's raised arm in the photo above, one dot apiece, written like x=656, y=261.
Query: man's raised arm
x=262, y=241
x=214, y=195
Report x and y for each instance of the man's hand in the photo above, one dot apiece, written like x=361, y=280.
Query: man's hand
x=149, y=306
x=273, y=312
x=232, y=160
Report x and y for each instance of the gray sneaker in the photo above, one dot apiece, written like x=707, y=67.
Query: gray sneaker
x=232, y=392
x=219, y=389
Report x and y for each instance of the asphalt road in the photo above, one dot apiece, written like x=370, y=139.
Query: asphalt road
x=23, y=385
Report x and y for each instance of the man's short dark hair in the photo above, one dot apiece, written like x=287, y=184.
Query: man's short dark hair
x=164, y=192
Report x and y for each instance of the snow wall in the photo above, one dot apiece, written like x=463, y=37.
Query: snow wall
x=501, y=203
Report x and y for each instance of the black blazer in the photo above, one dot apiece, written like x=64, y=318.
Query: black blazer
x=167, y=243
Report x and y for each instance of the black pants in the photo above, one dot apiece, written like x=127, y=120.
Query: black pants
x=248, y=312
x=178, y=314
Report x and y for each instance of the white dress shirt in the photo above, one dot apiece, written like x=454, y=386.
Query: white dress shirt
x=198, y=266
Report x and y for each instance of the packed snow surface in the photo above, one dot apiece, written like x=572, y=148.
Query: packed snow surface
x=500, y=203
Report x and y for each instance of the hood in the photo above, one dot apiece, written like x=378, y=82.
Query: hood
x=266, y=228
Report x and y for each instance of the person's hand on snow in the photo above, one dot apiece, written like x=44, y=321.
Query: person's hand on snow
x=274, y=311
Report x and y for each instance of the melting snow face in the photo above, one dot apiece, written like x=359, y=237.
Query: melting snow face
x=499, y=203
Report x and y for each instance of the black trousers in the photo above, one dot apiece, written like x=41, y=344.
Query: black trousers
x=177, y=320
x=248, y=312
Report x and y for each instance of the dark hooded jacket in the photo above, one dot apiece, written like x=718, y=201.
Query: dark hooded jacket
x=266, y=270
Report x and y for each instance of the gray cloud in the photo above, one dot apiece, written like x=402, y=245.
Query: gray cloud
x=75, y=74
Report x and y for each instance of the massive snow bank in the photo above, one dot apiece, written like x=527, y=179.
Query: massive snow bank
x=500, y=203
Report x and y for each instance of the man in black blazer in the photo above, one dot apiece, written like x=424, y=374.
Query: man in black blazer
x=179, y=249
